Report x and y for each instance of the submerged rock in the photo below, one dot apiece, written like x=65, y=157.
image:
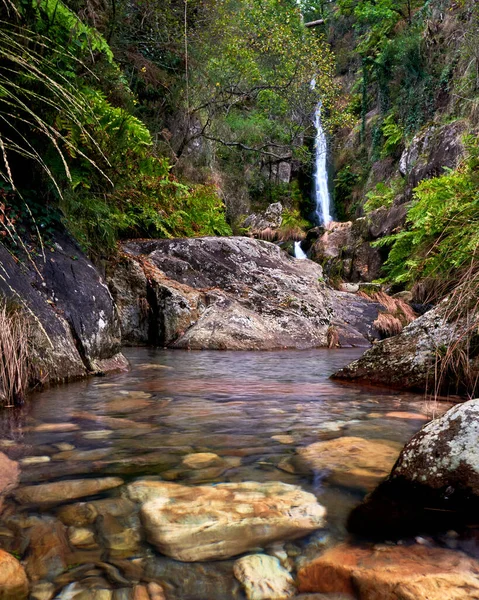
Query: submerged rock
x=435, y=482
x=9, y=475
x=13, y=579
x=264, y=578
x=215, y=522
x=60, y=491
x=350, y=461
x=393, y=573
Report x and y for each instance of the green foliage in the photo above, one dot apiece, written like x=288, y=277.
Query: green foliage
x=383, y=194
x=393, y=136
x=442, y=234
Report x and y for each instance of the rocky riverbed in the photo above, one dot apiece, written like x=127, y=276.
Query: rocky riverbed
x=204, y=476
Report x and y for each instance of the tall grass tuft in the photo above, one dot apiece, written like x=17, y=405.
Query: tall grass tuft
x=14, y=355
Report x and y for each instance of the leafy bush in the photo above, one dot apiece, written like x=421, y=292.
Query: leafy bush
x=442, y=233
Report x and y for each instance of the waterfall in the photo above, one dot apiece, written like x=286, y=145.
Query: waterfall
x=298, y=251
x=321, y=190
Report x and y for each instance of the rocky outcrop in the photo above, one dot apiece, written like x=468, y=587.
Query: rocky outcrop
x=435, y=482
x=269, y=221
x=230, y=293
x=393, y=573
x=215, y=522
x=75, y=328
x=412, y=359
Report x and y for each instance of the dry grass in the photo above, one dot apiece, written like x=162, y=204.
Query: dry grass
x=397, y=313
x=332, y=337
x=388, y=325
x=14, y=355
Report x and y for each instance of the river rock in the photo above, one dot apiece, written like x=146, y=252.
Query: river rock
x=411, y=359
x=435, y=482
x=48, y=551
x=9, y=475
x=393, y=573
x=212, y=581
x=263, y=578
x=13, y=579
x=350, y=461
x=60, y=491
x=44, y=590
x=82, y=537
x=229, y=293
x=216, y=522
x=202, y=460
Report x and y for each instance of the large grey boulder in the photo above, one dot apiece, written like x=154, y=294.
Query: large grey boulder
x=435, y=481
x=75, y=327
x=231, y=293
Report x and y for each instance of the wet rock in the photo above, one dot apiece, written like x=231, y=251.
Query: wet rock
x=211, y=581
x=393, y=573
x=81, y=537
x=156, y=591
x=9, y=475
x=77, y=515
x=88, y=455
x=140, y=592
x=263, y=578
x=409, y=360
x=202, y=460
x=111, y=422
x=55, y=427
x=214, y=522
x=34, y=460
x=13, y=579
x=60, y=491
x=350, y=461
x=43, y=590
x=435, y=482
x=48, y=551
x=119, y=535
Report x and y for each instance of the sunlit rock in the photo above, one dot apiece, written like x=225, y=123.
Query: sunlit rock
x=263, y=578
x=215, y=522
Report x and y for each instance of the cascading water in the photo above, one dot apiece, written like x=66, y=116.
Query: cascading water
x=298, y=251
x=321, y=190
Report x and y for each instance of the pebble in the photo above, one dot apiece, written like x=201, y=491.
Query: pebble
x=34, y=460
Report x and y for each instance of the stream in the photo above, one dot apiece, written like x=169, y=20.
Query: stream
x=254, y=410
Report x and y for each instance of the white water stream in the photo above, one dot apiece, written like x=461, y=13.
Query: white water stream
x=321, y=189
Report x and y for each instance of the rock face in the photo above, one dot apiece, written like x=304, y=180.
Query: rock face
x=228, y=293
x=435, y=482
x=13, y=579
x=351, y=461
x=270, y=220
x=264, y=578
x=9, y=475
x=409, y=360
x=215, y=522
x=393, y=573
x=75, y=326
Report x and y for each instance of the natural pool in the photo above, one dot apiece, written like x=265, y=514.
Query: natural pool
x=257, y=412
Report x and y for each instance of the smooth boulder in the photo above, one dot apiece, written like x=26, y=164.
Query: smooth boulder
x=60, y=491
x=202, y=523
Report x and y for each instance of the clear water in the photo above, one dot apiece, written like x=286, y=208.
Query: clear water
x=172, y=403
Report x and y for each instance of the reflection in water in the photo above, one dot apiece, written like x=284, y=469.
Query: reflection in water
x=254, y=411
